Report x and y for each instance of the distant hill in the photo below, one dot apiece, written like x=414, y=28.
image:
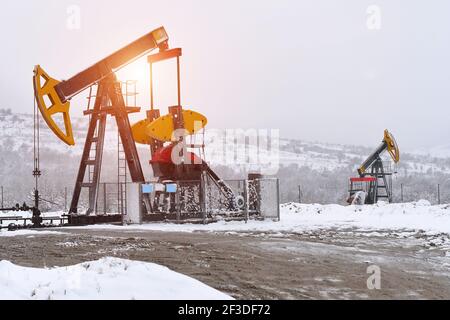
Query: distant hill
x=322, y=169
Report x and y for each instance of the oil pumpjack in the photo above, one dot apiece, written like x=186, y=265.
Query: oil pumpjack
x=375, y=178
x=162, y=134
x=53, y=99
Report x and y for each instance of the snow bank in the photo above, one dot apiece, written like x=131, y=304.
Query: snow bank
x=106, y=279
x=412, y=216
x=302, y=217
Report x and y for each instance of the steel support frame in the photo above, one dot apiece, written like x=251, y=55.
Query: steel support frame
x=109, y=90
x=175, y=111
x=379, y=173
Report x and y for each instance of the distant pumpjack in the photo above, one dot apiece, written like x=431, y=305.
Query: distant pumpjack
x=375, y=179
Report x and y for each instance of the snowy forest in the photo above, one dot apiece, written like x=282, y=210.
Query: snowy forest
x=309, y=172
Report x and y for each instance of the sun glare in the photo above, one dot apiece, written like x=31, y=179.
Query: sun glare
x=137, y=71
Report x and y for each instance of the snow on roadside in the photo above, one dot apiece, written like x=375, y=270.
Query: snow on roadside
x=417, y=216
x=9, y=234
x=105, y=279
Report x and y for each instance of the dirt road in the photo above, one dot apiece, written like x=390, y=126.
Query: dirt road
x=315, y=265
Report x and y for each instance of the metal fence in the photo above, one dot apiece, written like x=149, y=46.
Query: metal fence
x=434, y=193
x=230, y=199
x=112, y=198
x=402, y=193
x=112, y=201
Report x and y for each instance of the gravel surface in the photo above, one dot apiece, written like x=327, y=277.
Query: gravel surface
x=324, y=264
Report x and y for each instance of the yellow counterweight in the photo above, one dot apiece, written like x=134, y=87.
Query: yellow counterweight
x=162, y=129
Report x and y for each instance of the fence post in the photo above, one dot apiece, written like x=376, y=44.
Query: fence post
x=278, y=200
x=439, y=194
x=105, y=199
x=247, y=200
x=401, y=186
x=178, y=201
x=65, y=199
x=299, y=194
x=203, y=191
x=2, y=198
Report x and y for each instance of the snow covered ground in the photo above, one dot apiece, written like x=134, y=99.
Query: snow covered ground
x=417, y=216
x=105, y=279
x=410, y=236
x=442, y=151
x=407, y=217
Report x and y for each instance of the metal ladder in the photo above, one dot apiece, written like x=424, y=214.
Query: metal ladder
x=381, y=184
x=122, y=178
x=92, y=156
x=129, y=91
x=93, y=152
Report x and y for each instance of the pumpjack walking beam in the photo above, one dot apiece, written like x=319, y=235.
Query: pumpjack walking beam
x=60, y=93
x=53, y=97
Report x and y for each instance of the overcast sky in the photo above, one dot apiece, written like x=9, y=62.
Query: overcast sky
x=321, y=70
